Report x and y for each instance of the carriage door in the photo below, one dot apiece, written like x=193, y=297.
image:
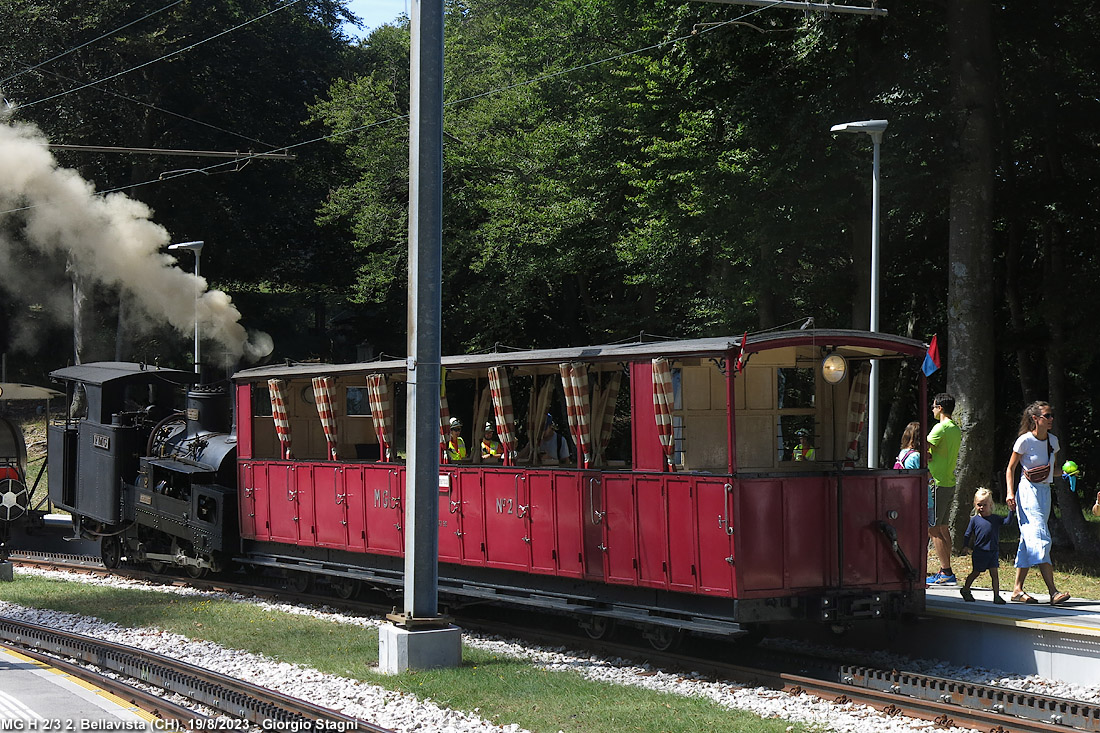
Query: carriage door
x=384, y=487
x=253, y=501
x=330, y=506
x=714, y=522
x=507, y=536
x=282, y=498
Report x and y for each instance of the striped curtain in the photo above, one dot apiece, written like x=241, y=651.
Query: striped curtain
x=444, y=417
x=574, y=378
x=276, y=389
x=857, y=410
x=381, y=411
x=662, y=405
x=603, y=413
x=323, y=387
x=502, y=411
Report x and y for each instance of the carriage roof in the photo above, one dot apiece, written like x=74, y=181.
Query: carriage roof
x=863, y=343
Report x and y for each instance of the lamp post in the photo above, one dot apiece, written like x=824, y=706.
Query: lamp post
x=195, y=247
x=874, y=128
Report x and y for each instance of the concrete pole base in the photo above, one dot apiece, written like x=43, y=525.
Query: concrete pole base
x=401, y=650
x=7, y=572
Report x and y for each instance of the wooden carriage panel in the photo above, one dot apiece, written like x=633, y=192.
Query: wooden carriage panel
x=384, y=492
x=620, y=536
x=713, y=508
x=759, y=532
x=472, y=519
x=450, y=517
x=653, y=530
x=243, y=420
x=810, y=521
x=647, y=453
x=861, y=542
x=542, y=522
x=329, y=506
x=355, y=507
x=907, y=497
x=253, y=499
x=303, y=486
x=683, y=535
x=570, y=519
x=282, y=499
x=505, y=508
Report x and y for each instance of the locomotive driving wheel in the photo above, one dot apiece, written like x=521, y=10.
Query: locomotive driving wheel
x=110, y=551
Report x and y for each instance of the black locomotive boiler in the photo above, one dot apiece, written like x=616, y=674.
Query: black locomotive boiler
x=152, y=479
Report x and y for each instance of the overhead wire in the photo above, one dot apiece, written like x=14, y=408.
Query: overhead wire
x=165, y=56
x=88, y=43
x=244, y=158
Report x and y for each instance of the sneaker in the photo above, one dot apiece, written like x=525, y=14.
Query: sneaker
x=942, y=578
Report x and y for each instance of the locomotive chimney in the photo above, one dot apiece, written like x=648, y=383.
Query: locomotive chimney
x=208, y=409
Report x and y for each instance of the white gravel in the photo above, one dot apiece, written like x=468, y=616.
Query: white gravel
x=403, y=712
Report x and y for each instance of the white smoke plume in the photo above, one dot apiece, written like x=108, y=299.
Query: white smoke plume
x=109, y=239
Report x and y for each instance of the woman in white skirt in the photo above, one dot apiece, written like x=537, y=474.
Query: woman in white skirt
x=1034, y=453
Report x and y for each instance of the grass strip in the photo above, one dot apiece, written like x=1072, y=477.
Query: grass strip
x=498, y=688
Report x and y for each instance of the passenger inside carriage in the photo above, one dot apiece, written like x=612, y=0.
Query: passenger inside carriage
x=492, y=450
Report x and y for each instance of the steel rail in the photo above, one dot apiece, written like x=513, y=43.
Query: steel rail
x=147, y=701
x=236, y=698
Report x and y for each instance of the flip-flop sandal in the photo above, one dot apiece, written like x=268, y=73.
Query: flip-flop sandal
x=1023, y=598
x=1059, y=598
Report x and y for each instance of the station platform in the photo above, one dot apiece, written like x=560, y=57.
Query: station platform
x=37, y=697
x=1057, y=642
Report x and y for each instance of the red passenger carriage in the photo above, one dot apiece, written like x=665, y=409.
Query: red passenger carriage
x=693, y=502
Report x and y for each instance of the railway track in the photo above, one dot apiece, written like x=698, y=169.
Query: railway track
x=944, y=701
x=268, y=709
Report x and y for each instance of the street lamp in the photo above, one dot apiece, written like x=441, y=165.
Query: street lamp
x=874, y=128
x=195, y=247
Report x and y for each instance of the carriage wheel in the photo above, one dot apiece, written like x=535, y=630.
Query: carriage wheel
x=156, y=566
x=663, y=638
x=345, y=588
x=598, y=627
x=110, y=551
x=299, y=582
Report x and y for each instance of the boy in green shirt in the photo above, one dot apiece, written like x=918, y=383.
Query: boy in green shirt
x=943, y=448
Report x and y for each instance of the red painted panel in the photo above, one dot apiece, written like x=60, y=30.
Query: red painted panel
x=760, y=531
x=908, y=497
x=653, y=536
x=243, y=416
x=682, y=537
x=620, y=535
x=450, y=524
x=505, y=523
x=355, y=507
x=592, y=510
x=569, y=520
x=471, y=518
x=329, y=507
x=541, y=521
x=648, y=455
x=713, y=506
x=253, y=523
x=307, y=523
x=808, y=561
x=857, y=502
x=282, y=502
x=384, y=491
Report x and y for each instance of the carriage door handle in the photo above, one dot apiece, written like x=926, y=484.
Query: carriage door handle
x=724, y=521
x=597, y=516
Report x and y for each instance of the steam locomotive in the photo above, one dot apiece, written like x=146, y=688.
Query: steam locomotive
x=712, y=485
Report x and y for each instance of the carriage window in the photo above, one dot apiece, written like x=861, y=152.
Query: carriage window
x=797, y=439
x=796, y=388
x=358, y=401
x=261, y=400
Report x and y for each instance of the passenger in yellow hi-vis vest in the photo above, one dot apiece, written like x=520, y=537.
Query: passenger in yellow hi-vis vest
x=804, y=451
x=491, y=448
x=456, y=446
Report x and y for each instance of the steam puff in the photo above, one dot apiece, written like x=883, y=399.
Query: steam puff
x=109, y=239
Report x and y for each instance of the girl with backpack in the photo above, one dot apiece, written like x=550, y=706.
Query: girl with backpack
x=909, y=457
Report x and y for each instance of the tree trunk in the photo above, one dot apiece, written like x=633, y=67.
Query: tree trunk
x=970, y=352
